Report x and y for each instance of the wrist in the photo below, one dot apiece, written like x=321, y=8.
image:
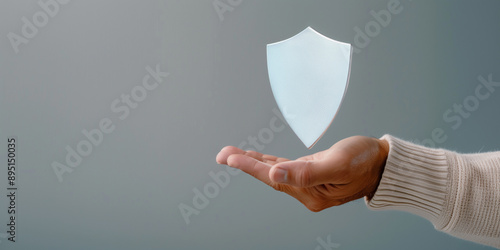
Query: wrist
x=379, y=165
x=414, y=179
x=383, y=151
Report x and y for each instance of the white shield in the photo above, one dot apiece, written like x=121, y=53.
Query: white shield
x=309, y=74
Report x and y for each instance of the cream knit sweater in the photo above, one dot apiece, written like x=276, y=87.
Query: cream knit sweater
x=458, y=193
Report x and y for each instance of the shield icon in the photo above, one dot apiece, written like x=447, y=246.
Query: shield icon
x=309, y=74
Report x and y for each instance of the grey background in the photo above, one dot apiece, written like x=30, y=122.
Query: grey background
x=125, y=195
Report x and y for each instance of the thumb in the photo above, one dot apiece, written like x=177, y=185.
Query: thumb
x=303, y=173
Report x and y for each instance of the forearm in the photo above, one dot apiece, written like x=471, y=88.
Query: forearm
x=459, y=194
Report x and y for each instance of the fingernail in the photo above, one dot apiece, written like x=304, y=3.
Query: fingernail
x=280, y=175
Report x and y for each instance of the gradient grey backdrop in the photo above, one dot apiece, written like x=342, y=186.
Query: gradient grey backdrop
x=125, y=195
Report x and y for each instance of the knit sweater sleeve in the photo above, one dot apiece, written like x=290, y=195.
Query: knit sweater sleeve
x=458, y=193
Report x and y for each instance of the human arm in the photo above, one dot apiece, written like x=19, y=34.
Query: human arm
x=458, y=193
x=349, y=170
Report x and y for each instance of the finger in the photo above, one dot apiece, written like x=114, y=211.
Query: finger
x=229, y=150
x=269, y=159
x=306, y=173
x=251, y=166
x=226, y=152
x=273, y=159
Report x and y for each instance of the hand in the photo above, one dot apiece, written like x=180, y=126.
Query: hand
x=349, y=170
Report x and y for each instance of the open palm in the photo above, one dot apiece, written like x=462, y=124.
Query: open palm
x=348, y=170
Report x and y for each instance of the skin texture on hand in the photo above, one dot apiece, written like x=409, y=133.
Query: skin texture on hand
x=349, y=170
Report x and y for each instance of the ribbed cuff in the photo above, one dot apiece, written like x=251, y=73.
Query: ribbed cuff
x=415, y=180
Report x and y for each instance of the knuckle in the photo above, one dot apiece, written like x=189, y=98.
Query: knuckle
x=228, y=148
x=303, y=177
x=232, y=161
x=277, y=188
x=280, y=188
x=251, y=153
x=315, y=206
x=319, y=205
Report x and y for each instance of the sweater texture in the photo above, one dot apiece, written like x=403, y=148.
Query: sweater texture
x=458, y=193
